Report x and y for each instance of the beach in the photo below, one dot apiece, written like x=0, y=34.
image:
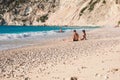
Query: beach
x=97, y=58
x=19, y=36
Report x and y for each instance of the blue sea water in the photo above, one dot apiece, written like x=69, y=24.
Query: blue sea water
x=24, y=29
x=20, y=32
x=13, y=36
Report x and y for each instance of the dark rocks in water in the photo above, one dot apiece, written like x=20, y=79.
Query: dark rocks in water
x=26, y=35
x=73, y=78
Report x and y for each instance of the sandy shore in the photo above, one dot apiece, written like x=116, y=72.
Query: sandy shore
x=97, y=58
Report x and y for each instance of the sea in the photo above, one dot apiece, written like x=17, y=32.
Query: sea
x=19, y=36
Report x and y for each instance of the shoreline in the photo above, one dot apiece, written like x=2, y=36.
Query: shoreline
x=61, y=60
x=40, y=43
x=14, y=40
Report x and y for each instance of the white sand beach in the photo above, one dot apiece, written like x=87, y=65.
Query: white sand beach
x=97, y=58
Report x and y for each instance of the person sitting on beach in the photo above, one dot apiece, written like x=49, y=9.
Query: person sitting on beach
x=61, y=30
x=75, y=36
x=84, y=35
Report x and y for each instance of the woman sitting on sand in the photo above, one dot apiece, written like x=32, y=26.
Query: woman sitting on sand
x=75, y=36
x=84, y=35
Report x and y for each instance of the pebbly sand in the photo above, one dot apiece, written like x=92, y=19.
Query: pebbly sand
x=97, y=58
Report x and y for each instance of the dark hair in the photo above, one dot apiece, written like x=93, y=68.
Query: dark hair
x=74, y=30
x=83, y=30
x=73, y=78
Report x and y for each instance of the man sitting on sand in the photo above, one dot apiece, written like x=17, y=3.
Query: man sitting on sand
x=84, y=35
x=75, y=36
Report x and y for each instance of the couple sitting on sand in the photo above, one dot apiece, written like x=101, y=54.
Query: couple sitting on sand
x=76, y=36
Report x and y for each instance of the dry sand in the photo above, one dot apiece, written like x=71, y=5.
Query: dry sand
x=97, y=58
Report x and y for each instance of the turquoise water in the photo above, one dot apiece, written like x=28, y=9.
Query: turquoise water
x=20, y=32
x=24, y=29
x=18, y=36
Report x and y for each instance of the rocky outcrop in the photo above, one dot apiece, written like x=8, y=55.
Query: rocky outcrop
x=25, y=12
x=86, y=12
x=60, y=12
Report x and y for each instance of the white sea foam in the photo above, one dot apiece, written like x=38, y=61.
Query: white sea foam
x=8, y=41
x=26, y=35
x=32, y=34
